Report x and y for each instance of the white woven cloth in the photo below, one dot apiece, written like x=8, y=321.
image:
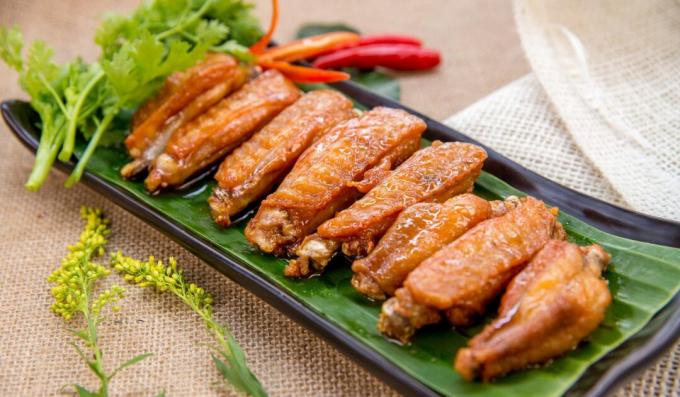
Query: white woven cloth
x=610, y=70
x=519, y=122
x=600, y=113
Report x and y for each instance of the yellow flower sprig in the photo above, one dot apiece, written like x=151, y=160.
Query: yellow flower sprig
x=74, y=293
x=229, y=359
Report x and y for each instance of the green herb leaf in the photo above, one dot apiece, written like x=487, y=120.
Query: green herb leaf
x=11, y=44
x=137, y=53
x=377, y=81
x=313, y=29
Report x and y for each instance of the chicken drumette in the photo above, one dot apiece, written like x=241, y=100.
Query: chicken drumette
x=555, y=302
x=183, y=97
x=220, y=129
x=349, y=159
x=465, y=276
x=255, y=167
x=434, y=174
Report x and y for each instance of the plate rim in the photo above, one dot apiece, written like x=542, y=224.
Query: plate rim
x=622, y=369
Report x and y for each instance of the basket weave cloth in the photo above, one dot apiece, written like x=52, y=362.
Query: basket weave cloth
x=35, y=359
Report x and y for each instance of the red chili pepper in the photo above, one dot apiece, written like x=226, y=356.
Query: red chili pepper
x=391, y=56
x=389, y=39
x=301, y=74
x=261, y=45
x=310, y=46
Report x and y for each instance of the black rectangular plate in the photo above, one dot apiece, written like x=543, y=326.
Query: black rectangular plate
x=602, y=378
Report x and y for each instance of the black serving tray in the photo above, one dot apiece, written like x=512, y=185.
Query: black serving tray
x=615, y=368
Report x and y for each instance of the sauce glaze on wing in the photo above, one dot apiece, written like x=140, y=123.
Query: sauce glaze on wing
x=419, y=231
x=213, y=134
x=466, y=275
x=434, y=173
x=555, y=302
x=257, y=165
x=323, y=180
x=184, y=96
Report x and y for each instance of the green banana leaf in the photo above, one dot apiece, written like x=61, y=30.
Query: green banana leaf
x=642, y=277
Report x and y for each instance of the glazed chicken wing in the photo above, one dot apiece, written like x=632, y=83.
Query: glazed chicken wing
x=183, y=97
x=220, y=129
x=420, y=231
x=465, y=276
x=432, y=174
x=554, y=303
x=328, y=176
x=252, y=169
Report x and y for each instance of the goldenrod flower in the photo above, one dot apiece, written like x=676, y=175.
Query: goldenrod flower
x=154, y=273
x=74, y=293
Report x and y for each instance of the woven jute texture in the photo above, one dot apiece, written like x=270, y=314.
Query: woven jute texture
x=612, y=71
x=481, y=52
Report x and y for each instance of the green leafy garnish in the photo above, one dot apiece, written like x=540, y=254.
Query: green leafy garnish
x=314, y=29
x=137, y=54
x=377, y=81
x=229, y=358
x=74, y=294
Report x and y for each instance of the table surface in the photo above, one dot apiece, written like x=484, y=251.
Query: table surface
x=481, y=53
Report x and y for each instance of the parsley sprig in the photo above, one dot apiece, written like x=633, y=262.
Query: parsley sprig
x=228, y=357
x=137, y=54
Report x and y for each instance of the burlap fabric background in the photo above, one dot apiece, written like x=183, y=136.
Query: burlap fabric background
x=482, y=53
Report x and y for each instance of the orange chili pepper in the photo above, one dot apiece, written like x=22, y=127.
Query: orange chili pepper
x=310, y=46
x=261, y=45
x=301, y=74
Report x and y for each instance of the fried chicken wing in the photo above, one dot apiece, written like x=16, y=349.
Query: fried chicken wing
x=465, y=276
x=420, y=231
x=554, y=303
x=220, y=129
x=183, y=97
x=434, y=173
x=323, y=181
x=252, y=169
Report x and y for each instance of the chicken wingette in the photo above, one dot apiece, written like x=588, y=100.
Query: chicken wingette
x=347, y=161
x=420, y=231
x=210, y=136
x=465, y=276
x=435, y=173
x=255, y=167
x=553, y=304
x=183, y=97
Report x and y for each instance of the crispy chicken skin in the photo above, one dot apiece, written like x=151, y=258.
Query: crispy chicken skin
x=553, y=304
x=257, y=165
x=329, y=175
x=220, y=129
x=434, y=173
x=465, y=276
x=420, y=231
x=183, y=97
